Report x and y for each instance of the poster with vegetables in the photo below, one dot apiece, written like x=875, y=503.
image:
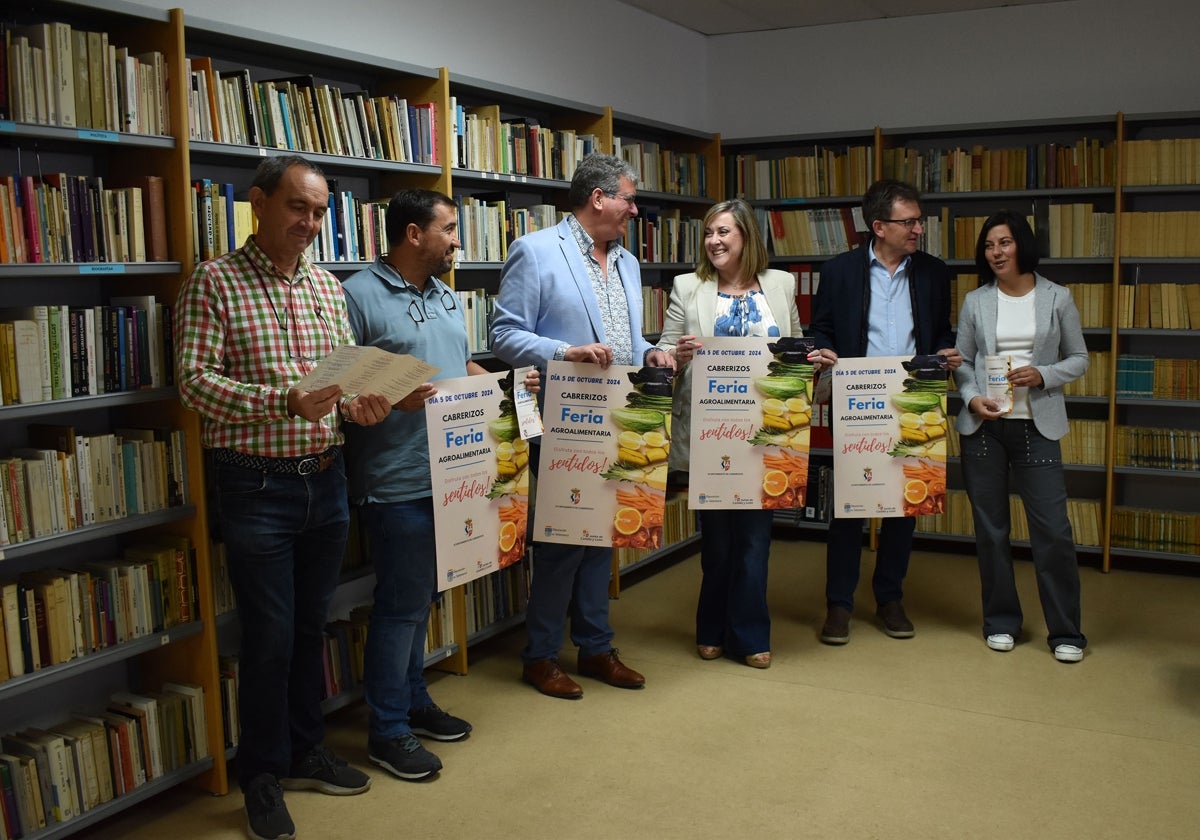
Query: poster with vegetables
x=603, y=470
x=480, y=470
x=751, y=410
x=889, y=436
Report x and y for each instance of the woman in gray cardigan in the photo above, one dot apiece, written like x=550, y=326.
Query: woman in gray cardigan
x=1023, y=316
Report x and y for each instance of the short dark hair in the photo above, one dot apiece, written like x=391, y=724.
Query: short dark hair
x=1027, y=250
x=878, y=200
x=598, y=170
x=754, y=250
x=409, y=207
x=270, y=171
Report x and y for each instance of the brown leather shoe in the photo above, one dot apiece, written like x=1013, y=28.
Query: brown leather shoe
x=608, y=668
x=894, y=621
x=551, y=680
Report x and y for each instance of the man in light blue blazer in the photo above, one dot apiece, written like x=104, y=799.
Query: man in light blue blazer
x=572, y=293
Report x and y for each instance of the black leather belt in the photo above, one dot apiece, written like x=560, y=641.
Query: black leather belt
x=305, y=465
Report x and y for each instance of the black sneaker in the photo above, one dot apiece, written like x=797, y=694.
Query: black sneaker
x=432, y=722
x=404, y=757
x=267, y=818
x=323, y=771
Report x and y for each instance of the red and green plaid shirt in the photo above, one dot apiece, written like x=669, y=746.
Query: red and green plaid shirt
x=244, y=334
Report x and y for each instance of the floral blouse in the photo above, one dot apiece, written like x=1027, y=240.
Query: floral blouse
x=746, y=315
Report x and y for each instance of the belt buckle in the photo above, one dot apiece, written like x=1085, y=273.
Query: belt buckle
x=309, y=465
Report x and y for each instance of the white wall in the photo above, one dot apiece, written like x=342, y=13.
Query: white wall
x=621, y=57
x=1073, y=58
x=1076, y=58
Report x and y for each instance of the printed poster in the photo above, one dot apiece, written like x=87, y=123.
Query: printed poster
x=603, y=472
x=751, y=410
x=889, y=436
x=480, y=469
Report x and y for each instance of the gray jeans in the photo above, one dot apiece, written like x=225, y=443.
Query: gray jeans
x=998, y=449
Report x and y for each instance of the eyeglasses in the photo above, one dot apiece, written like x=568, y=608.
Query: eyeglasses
x=449, y=303
x=909, y=224
x=631, y=200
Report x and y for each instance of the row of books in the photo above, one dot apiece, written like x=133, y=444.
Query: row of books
x=1156, y=530
x=484, y=230
x=53, y=775
x=1171, y=161
x=823, y=231
x=1077, y=230
x=53, y=616
x=1148, y=377
x=663, y=170
x=300, y=114
x=808, y=280
x=664, y=236
x=679, y=524
x=1094, y=302
x=1086, y=442
x=1085, y=163
x=1161, y=234
x=1094, y=383
x=826, y=172
x=77, y=79
x=51, y=352
x=65, y=480
x=227, y=669
x=61, y=218
x=654, y=308
x=498, y=596
x=1083, y=514
x=1158, y=449
x=486, y=142
x=479, y=309
x=818, y=500
x=1169, y=306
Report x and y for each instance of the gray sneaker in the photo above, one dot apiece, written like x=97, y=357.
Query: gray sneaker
x=267, y=816
x=404, y=757
x=323, y=771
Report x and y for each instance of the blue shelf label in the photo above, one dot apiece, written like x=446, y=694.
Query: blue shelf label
x=104, y=136
x=102, y=268
x=8, y=126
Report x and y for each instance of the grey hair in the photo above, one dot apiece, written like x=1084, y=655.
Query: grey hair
x=598, y=170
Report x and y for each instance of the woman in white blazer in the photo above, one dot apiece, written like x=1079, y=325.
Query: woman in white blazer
x=1022, y=315
x=732, y=292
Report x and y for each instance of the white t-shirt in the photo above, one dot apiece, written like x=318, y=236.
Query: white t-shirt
x=1015, y=328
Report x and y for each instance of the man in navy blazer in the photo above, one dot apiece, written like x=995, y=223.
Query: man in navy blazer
x=885, y=298
x=572, y=293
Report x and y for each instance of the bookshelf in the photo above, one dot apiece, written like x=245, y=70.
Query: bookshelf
x=99, y=159
x=1111, y=199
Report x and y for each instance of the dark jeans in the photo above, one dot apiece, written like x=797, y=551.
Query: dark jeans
x=574, y=579
x=403, y=553
x=732, y=608
x=843, y=557
x=1036, y=469
x=284, y=537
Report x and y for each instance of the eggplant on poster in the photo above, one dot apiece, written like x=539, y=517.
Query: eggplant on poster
x=751, y=413
x=603, y=466
x=889, y=436
x=480, y=470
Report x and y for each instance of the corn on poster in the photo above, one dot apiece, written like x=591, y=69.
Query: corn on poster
x=480, y=470
x=889, y=436
x=603, y=471
x=751, y=409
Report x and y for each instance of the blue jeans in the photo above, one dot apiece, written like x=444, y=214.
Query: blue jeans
x=843, y=557
x=732, y=608
x=402, y=550
x=1036, y=467
x=568, y=578
x=284, y=536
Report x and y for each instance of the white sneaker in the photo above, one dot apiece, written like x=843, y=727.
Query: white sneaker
x=1068, y=653
x=1000, y=641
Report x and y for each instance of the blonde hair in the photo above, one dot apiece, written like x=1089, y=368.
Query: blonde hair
x=754, y=249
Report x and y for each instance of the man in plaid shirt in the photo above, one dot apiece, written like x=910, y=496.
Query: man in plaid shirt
x=250, y=325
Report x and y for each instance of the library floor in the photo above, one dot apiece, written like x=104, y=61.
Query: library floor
x=932, y=737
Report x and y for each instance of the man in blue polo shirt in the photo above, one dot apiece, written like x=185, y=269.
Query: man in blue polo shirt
x=399, y=304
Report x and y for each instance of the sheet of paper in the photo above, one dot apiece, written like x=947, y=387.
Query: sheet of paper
x=369, y=370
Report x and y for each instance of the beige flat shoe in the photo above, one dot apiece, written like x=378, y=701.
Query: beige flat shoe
x=710, y=651
x=759, y=660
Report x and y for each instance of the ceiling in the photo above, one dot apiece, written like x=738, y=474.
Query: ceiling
x=724, y=17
